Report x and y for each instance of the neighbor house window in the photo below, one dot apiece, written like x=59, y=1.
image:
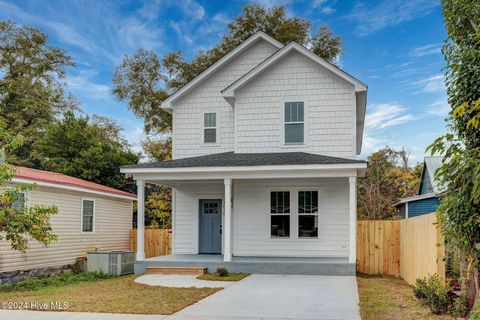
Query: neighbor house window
x=308, y=214
x=210, y=127
x=294, y=122
x=19, y=203
x=280, y=214
x=88, y=215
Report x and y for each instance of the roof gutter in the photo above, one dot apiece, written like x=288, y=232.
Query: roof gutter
x=72, y=188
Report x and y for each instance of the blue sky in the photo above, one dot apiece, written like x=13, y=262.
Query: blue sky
x=392, y=45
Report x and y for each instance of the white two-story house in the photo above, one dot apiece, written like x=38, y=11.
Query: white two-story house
x=264, y=164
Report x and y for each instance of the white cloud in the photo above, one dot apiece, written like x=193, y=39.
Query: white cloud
x=439, y=108
x=432, y=84
x=83, y=85
x=382, y=116
x=328, y=10
x=135, y=136
x=426, y=50
x=388, y=13
x=325, y=6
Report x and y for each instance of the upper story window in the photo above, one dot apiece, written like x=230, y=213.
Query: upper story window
x=88, y=215
x=210, y=127
x=294, y=122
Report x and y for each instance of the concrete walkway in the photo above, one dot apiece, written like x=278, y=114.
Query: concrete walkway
x=266, y=297
x=280, y=297
x=180, y=281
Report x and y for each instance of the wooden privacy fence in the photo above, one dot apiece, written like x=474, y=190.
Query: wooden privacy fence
x=158, y=242
x=412, y=248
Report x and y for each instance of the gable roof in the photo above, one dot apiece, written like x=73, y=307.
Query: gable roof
x=431, y=164
x=360, y=87
x=232, y=159
x=229, y=92
x=53, y=179
x=167, y=104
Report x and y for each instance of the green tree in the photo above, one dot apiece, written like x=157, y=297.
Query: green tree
x=31, y=91
x=459, y=210
x=144, y=81
x=18, y=222
x=389, y=177
x=89, y=148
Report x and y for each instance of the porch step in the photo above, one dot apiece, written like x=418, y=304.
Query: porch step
x=176, y=270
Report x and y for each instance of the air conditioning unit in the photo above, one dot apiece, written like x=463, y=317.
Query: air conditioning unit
x=111, y=262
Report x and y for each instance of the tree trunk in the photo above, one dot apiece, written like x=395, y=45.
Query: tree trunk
x=470, y=278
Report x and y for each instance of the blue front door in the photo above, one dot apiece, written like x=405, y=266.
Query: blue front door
x=210, y=235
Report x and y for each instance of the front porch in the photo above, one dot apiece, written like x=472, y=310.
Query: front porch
x=290, y=213
x=258, y=265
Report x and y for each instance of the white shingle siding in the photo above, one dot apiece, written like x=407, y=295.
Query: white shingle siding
x=186, y=215
x=251, y=218
x=113, y=221
x=329, y=109
x=188, y=111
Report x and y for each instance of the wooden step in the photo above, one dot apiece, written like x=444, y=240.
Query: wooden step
x=177, y=270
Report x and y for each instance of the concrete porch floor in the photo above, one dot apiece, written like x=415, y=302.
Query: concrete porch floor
x=259, y=265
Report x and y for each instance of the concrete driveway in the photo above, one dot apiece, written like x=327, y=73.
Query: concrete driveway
x=267, y=297
x=280, y=297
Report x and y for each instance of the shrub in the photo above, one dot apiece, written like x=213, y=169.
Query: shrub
x=55, y=281
x=434, y=293
x=222, y=272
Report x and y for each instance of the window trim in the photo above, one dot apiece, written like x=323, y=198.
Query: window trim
x=284, y=144
x=308, y=214
x=270, y=214
x=217, y=129
x=26, y=195
x=293, y=212
x=94, y=216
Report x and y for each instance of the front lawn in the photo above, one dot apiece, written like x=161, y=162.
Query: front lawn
x=391, y=298
x=229, y=277
x=114, y=295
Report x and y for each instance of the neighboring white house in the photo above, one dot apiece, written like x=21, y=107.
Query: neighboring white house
x=89, y=216
x=264, y=157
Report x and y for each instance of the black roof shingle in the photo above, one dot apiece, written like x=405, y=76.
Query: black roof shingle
x=231, y=159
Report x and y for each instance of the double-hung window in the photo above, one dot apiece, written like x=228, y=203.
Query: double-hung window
x=210, y=127
x=88, y=215
x=19, y=203
x=294, y=122
x=280, y=214
x=308, y=214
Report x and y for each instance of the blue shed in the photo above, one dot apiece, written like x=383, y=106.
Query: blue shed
x=428, y=197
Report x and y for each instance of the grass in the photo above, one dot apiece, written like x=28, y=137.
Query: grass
x=229, y=277
x=475, y=313
x=391, y=298
x=114, y=295
x=55, y=281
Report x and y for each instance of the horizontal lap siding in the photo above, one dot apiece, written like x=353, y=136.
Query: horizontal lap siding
x=329, y=107
x=113, y=220
x=421, y=207
x=207, y=97
x=252, y=226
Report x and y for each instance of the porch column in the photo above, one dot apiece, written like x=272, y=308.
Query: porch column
x=352, y=256
x=227, y=251
x=140, y=219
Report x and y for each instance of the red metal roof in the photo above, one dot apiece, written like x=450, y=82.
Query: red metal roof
x=64, y=180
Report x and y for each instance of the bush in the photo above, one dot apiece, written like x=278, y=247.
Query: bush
x=434, y=294
x=222, y=272
x=55, y=281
